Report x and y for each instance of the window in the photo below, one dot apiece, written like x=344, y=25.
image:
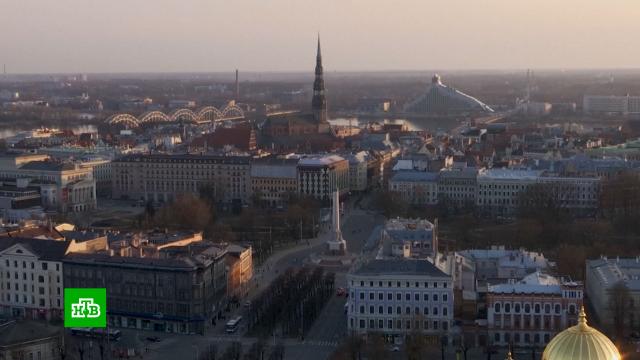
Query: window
x=398, y=310
x=380, y=324
x=417, y=310
x=398, y=296
x=527, y=308
x=361, y=324
x=380, y=296
x=407, y=297
x=444, y=311
x=547, y=309
x=517, y=308
x=370, y=309
x=435, y=311
x=361, y=296
x=557, y=309
x=435, y=297
x=496, y=337
x=496, y=307
x=417, y=297
x=507, y=308
x=44, y=266
x=380, y=310
x=536, y=308
x=407, y=310
x=389, y=310
x=445, y=297
x=371, y=296
x=426, y=310
x=361, y=309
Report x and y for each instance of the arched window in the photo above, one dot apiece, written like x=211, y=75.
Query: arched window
x=507, y=307
x=558, y=308
x=536, y=308
x=527, y=308
x=517, y=308
x=496, y=307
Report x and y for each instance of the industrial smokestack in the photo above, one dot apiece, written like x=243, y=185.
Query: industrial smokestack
x=237, y=87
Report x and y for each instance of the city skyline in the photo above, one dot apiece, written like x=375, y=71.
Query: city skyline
x=74, y=36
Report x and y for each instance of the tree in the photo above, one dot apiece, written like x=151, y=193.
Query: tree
x=620, y=201
x=619, y=304
x=415, y=341
x=391, y=204
x=375, y=349
x=185, y=212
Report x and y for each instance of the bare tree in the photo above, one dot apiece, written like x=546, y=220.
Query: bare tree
x=619, y=303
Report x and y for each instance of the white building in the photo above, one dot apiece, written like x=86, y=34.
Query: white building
x=31, y=277
x=499, y=191
x=394, y=297
x=358, y=164
x=603, y=104
x=601, y=276
x=63, y=186
x=457, y=187
x=415, y=187
x=406, y=238
x=500, y=264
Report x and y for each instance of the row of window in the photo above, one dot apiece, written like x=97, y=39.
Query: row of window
x=25, y=300
x=16, y=264
x=537, y=308
x=407, y=284
x=407, y=310
x=525, y=338
x=380, y=324
x=407, y=296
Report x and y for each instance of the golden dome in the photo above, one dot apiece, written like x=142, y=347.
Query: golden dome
x=581, y=342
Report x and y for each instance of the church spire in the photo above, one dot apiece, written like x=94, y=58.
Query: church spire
x=319, y=102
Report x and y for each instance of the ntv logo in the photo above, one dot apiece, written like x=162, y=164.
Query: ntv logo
x=85, y=308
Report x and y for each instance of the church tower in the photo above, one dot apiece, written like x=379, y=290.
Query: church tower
x=319, y=102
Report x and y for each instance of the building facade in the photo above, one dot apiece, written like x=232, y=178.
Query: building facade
x=603, y=104
x=64, y=186
x=160, y=178
x=457, y=187
x=240, y=270
x=35, y=340
x=533, y=310
x=499, y=191
x=319, y=176
x=173, y=294
x=273, y=180
x=394, y=297
x=415, y=187
x=31, y=278
x=602, y=276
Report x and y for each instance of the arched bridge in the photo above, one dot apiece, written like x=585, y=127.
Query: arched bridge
x=207, y=114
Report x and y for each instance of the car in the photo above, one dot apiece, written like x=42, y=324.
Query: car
x=341, y=291
x=395, y=348
x=247, y=304
x=153, y=338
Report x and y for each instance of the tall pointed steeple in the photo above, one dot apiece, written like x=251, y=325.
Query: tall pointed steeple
x=319, y=102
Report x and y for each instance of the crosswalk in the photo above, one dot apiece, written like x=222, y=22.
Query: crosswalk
x=326, y=343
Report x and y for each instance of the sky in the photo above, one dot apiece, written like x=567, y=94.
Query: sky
x=98, y=36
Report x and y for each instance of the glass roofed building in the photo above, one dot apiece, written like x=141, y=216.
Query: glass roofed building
x=442, y=99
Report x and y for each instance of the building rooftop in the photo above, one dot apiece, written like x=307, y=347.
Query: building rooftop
x=50, y=250
x=399, y=267
x=48, y=166
x=18, y=332
x=614, y=270
x=414, y=176
x=509, y=174
x=320, y=160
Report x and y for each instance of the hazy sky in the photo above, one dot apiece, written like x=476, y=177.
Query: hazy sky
x=279, y=35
